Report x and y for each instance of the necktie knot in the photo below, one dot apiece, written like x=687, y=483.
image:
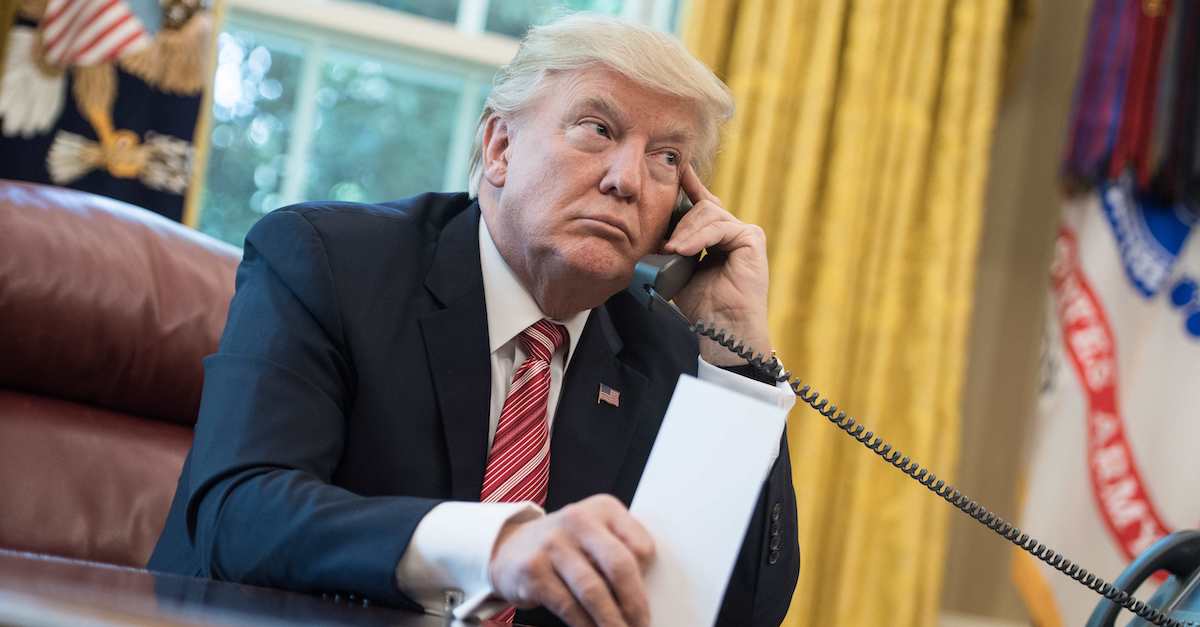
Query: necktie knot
x=542, y=338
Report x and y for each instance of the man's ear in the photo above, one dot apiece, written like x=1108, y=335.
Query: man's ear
x=497, y=135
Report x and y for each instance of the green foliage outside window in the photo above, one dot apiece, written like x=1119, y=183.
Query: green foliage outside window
x=253, y=105
x=379, y=136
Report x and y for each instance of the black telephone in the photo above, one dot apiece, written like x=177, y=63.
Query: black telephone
x=657, y=278
x=663, y=274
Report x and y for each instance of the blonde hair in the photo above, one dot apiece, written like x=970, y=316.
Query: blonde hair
x=652, y=59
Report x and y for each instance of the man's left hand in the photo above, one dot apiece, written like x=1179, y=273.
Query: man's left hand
x=729, y=288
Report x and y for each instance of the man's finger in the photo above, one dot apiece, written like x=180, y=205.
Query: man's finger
x=726, y=236
x=551, y=591
x=694, y=188
x=623, y=572
x=555, y=595
x=635, y=536
x=701, y=215
x=588, y=588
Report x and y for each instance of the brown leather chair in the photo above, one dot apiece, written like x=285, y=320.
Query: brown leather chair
x=106, y=311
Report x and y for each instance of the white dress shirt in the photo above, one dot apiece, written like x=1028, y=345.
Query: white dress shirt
x=452, y=545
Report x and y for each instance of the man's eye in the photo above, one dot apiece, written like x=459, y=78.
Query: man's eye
x=669, y=158
x=600, y=129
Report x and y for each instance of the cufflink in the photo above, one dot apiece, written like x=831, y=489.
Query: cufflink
x=451, y=598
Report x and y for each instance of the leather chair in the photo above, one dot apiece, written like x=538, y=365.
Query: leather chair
x=106, y=311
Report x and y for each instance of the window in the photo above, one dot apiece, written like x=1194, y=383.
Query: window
x=363, y=100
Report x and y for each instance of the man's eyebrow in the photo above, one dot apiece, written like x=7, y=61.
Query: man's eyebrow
x=603, y=106
x=674, y=134
x=678, y=134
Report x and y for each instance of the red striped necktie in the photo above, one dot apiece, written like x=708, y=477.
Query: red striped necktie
x=518, y=467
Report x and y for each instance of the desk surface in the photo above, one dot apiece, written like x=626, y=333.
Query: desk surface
x=36, y=589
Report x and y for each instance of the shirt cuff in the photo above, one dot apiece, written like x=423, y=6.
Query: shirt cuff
x=451, y=549
x=779, y=395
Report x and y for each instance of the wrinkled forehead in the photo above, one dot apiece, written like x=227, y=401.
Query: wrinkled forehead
x=623, y=102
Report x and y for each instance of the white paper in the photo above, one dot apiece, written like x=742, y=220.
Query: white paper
x=699, y=488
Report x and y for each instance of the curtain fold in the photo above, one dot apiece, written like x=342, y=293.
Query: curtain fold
x=861, y=144
x=8, y=12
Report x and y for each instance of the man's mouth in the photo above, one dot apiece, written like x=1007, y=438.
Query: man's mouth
x=608, y=225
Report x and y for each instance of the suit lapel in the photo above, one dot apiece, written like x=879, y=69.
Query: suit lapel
x=456, y=344
x=591, y=439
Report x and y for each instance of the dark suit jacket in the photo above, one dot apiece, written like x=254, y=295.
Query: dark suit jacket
x=350, y=393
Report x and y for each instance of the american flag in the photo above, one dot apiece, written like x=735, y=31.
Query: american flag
x=87, y=32
x=608, y=395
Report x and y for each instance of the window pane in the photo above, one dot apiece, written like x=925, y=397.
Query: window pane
x=514, y=18
x=475, y=108
x=383, y=131
x=253, y=103
x=444, y=10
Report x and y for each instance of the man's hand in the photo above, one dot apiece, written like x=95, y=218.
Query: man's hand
x=729, y=288
x=583, y=562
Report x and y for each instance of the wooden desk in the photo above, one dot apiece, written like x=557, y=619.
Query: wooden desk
x=41, y=590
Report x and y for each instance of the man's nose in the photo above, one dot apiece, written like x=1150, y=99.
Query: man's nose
x=624, y=176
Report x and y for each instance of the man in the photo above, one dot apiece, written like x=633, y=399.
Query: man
x=385, y=368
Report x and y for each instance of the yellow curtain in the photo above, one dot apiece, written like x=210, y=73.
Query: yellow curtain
x=8, y=13
x=861, y=145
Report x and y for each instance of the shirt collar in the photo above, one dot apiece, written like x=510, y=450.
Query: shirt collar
x=510, y=308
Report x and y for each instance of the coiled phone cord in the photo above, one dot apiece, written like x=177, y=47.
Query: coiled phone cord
x=774, y=369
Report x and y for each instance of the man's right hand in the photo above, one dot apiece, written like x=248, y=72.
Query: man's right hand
x=583, y=562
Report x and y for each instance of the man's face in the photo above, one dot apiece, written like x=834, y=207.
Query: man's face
x=587, y=181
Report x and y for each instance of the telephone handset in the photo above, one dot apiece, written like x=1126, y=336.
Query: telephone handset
x=656, y=280
x=663, y=274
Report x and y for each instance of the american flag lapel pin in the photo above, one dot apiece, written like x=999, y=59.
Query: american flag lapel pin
x=609, y=395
